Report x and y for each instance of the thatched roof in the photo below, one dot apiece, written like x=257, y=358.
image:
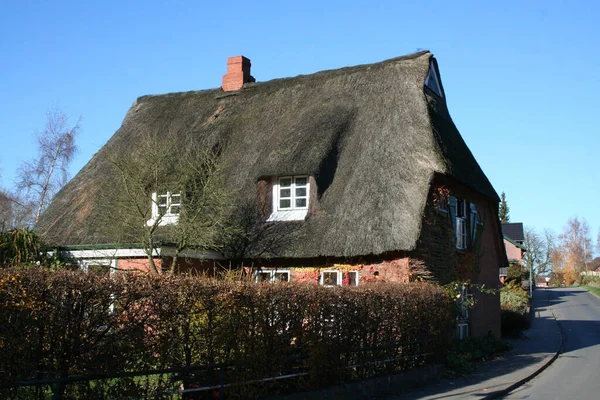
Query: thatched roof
x=371, y=136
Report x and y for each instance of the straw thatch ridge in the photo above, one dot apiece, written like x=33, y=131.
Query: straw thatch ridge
x=371, y=135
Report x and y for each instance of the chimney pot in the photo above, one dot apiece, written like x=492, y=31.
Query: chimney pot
x=238, y=73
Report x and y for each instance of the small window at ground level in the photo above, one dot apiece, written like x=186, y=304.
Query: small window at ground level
x=352, y=278
x=272, y=276
x=331, y=278
x=263, y=277
x=98, y=269
x=281, y=277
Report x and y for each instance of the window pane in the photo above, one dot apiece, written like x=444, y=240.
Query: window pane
x=162, y=200
x=162, y=209
x=301, y=181
x=330, y=278
x=174, y=210
x=285, y=203
x=300, y=202
x=301, y=192
x=285, y=182
x=281, y=277
x=285, y=193
x=175, y=199
x=461, y=233
x=353, y=278
x=263, y=277
x=99, y=270
x=460, y=208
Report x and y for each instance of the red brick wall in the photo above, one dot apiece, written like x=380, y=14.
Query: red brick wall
x=437, y=250
x=485, y=316
x=138, y=264
x=385, y=270
x=513, y=252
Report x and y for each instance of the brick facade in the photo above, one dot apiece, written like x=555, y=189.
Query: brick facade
x=513, y=253
x=238, y=73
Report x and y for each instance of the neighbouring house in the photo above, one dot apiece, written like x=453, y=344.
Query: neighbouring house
x=542, y=281
x=514, y=239
x=340, y=177
x=594, y=265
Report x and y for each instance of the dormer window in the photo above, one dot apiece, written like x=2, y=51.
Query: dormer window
x=432, y=81
x=290, y=198
x=165, y=208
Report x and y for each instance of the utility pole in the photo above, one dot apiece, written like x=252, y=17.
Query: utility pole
x=530, y=280
x=585, y=254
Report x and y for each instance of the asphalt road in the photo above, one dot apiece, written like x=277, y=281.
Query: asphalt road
x=576, y=373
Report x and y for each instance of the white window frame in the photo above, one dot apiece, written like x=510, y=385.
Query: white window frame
x=338, y=277
x=272, y=273
x=293, y=213
x=462, y=319
x=111, y=263
x=461, y=225
x=357, y=278
x=169, y=217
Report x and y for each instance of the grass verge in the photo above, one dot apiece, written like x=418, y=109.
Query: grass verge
x=592, y=289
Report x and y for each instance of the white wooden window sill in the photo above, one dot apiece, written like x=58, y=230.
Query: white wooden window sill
x=288, y=215
x=165, y=220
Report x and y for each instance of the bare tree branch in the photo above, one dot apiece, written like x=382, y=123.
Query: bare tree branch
x=40, y=179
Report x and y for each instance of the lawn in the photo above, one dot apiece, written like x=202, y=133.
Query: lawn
x=593, y=289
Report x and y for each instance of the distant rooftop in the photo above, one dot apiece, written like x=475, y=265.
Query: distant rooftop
x=514, y=231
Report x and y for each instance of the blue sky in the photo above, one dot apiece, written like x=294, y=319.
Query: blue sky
x=520, y=79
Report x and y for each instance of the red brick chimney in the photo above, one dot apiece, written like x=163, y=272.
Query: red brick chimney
x=238, y=73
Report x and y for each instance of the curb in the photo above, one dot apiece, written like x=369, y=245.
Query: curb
x=521, y=382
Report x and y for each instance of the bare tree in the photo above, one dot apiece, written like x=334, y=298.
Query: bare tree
x=538, y=257
x=169, y=191
x=15, y=212
x=39, y=179
x=573, y=251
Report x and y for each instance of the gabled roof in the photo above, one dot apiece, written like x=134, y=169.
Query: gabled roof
x=514, y=230
x=371, y=135
x=514, y=243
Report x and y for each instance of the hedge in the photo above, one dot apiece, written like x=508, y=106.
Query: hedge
x=58, y=324
x=514, y=303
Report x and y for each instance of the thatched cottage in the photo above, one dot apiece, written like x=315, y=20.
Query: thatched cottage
x=339, y=177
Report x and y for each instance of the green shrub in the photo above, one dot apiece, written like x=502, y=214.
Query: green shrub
x=513, y=298
x=464, y=355
x=589, y=280
x=60, y=323
x=514, y=303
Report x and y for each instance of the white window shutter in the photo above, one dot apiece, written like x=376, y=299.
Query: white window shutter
x=452, y=212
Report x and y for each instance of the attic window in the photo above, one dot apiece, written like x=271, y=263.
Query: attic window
x=290, y=198
x=165, y=208
x=432, y=81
